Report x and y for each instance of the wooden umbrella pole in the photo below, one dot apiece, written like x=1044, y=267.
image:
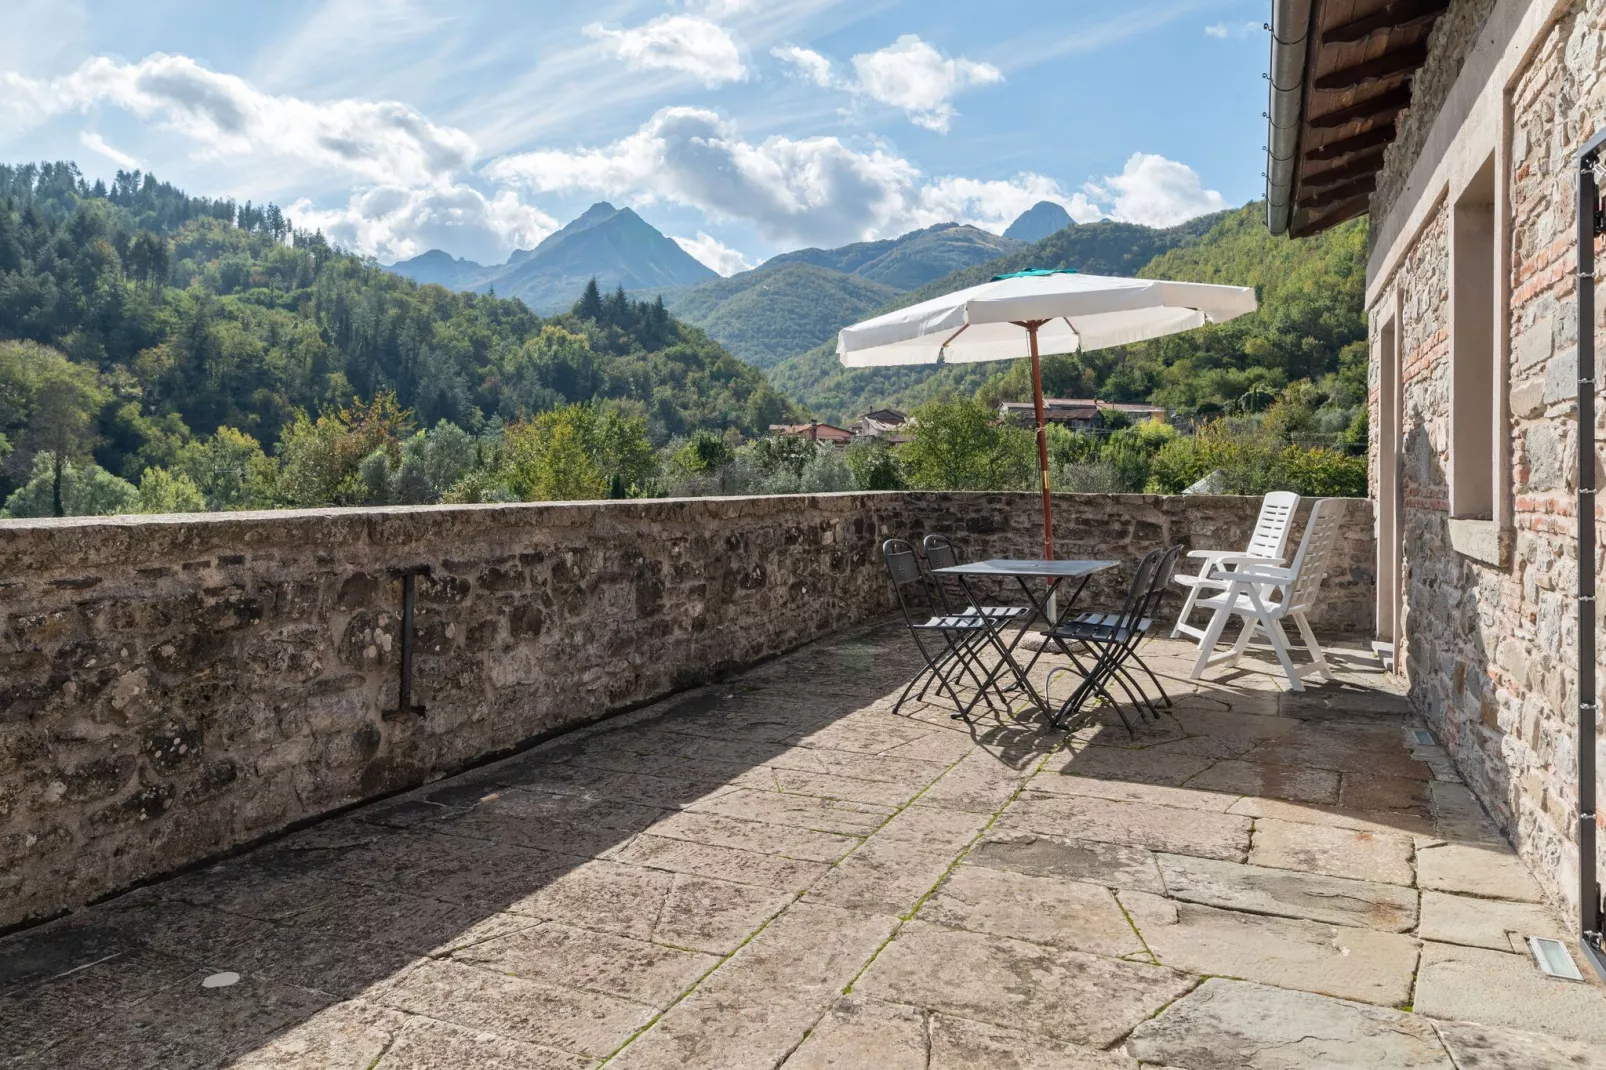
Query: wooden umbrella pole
x=1042, y=440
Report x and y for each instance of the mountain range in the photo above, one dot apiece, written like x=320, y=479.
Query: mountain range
x=615, y=246
x=789, y=304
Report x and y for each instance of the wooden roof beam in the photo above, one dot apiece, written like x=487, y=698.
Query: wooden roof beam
x=1338, y=194
x=1396, y=16
x=1347, y=210
x=1362, y=163
x=1397, y=61
x=1390, y=103
x=1381, y=134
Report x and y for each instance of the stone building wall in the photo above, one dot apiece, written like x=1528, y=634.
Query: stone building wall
x=1487, y=649
x=1450, y=42
x=174, y=687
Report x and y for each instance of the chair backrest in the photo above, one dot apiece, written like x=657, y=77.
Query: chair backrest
x=1160, y=581
x=1315, y=553
x=904, y=568
x=1276, y=520
x=940, y=553
x=1139, y=594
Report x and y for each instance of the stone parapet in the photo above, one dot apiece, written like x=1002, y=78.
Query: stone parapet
x=174, y=687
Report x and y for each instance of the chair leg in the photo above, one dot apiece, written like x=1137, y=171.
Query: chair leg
x=1316, y=655
x=1279, y=643
x=1251, y=625
x=1155, y=680
x=1187, y=608
x=1212, y=636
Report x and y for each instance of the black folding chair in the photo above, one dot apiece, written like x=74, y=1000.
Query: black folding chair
x=961, y=634
x=1158, y=589
x=1113, y=639
x=940, y=553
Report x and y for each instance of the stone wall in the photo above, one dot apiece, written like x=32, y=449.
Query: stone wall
x=1449, y=44
x=174, y=687
x=1487, y=648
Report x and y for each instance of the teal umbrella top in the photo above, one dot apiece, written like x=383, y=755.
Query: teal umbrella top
x=1032, y=273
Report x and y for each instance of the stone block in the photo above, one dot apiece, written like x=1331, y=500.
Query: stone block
x=1283, y=892
x=1360, y=854
x=977, y=977
x=1044, y=910
x=1348, y=963
x=1234, y=1025
x=1506, y=990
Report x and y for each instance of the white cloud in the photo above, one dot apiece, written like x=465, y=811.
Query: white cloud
x=994, y=205
x=815, y=191
x=374, y=141
x=1156, y=192
x=686, y=43
x=714, y=253
x=396, y=222
x=911, y=75
x=92, y=141
x=810, y=65
x=908, y=74
x=1223, y=30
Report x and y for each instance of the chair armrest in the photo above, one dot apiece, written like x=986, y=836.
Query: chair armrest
x=1206, y=555
x=1248, y=559
x=1256, y=575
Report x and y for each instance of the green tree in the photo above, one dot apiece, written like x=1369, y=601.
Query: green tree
x=230, y=470
x=70, y=490
x=161, y=491
x=961, y=445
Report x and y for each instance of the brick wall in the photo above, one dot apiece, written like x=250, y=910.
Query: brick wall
x=174, y=687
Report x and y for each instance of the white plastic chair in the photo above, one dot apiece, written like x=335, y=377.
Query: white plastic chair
x=1266, y=546
x=1249, y=595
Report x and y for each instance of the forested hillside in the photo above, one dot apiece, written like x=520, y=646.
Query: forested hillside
x=816, y=379
x=142, y=320
x=767, y=314
x=798, y=300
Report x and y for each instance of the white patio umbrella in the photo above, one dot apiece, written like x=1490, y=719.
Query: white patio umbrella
x=1038, y=312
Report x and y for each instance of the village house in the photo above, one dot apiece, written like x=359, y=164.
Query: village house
x=1458, y=127
x=1081, y=414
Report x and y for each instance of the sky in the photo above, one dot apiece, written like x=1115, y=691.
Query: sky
x=741, y=128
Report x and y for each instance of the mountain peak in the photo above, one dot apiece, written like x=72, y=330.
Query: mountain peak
x=1039, y=221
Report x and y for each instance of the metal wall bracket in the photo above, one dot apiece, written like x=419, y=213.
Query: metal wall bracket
x=405, y=705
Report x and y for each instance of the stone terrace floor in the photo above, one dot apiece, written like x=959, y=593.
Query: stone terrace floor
x=777, y=871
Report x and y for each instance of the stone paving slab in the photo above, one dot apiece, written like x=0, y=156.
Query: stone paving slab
x=759, y=1005
x=1096, y=1001
x=1160, y=828
x=698, y=882
x=867, y=1033
x=1349, y=963
x=1502, y=989
x=1044, y=910
x=1234, y=1025
x=1285, y=893
x=1475, y=870
x=901, y=863
x=1112, y=865
x=1337, y=852
x=1490, y=923
x=1482, y=1047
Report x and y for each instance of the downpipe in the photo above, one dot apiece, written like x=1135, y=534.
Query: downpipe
x=1591, y=224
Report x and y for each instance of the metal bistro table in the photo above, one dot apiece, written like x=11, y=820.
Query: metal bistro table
x=1056, y=572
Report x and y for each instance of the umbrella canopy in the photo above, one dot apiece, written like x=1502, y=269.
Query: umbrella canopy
x=1029, y=313
x=1075, y=312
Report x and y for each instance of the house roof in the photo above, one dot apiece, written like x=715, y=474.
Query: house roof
x=1341, y=74
x=819, y=432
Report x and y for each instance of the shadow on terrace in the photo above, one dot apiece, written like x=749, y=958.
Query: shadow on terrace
x=778, y=871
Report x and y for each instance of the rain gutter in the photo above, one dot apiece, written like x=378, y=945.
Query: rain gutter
x=1290, y=29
